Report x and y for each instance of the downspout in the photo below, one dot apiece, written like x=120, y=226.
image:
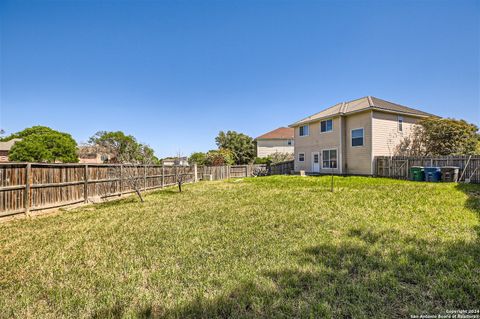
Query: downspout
x=372, y=157
x=343, y=156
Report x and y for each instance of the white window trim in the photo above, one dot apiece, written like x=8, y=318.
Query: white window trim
x=328, y=149
x=400, y=118
x=307, y=125
x=303, y=153
x=363, y=136
x=320, y=124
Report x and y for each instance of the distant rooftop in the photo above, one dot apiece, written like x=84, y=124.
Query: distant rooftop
x=6, y=146
x=279, y=133
x=364, y=103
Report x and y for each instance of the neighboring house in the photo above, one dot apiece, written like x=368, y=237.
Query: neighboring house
x=345, y=138
x=5, y=148
x=280, y=140
x=171, y=161
x=93, y=155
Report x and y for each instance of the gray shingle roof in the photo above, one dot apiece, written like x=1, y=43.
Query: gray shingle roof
x=364, y=103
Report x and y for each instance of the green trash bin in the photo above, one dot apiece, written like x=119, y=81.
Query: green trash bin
x=417, y=173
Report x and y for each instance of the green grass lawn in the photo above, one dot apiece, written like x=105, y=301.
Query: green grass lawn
x=281, y=246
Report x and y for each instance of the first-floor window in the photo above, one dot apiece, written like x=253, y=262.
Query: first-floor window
x=329, y=158
x=357, y=137
x=301, y=157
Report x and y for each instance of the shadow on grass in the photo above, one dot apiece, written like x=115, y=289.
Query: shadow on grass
x=473, y=192
x=369, y=274
x=133, y=198
x=114, y=202
x=166, y=191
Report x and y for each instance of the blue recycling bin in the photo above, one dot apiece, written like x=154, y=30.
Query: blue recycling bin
x=433, y=174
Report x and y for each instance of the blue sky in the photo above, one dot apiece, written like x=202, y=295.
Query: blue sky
x=174, y=73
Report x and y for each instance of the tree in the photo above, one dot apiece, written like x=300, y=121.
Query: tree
x=437, y=136
x=477, y=150
x=278, y=157
x=43, y=144
x=219, y=157
x=198, y=158
x=123, y=147
x=242, y=146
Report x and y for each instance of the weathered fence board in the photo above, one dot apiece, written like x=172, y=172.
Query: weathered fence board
x=281, y=168
x=399, y=166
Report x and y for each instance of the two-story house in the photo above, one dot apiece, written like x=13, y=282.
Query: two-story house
x=5, y=148
x=90, y=154
x=279, y=140
x=345, y=138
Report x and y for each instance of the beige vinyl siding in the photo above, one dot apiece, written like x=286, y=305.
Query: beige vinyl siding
x=266, y=147
x=359, y=158
x=386, y=135
x=317, y=141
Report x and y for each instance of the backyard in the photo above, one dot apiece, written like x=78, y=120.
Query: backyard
x=278, y=246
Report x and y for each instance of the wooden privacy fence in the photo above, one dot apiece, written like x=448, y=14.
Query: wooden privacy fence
x=26, y=187
x=399, y=166
x=222, y=172
x=281, y=168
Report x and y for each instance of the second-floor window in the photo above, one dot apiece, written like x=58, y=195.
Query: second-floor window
x=357, y=137
x=400, y=123
x=289, y=142
x=303, y=130
x=326, y=126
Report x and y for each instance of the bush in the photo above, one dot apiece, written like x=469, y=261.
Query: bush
x=262, y=160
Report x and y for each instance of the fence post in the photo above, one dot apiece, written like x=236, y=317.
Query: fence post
x=145, y=177
x=27, y=189
x=121, y=179
x=195, y=178
x=85, y=184
x=163, y=175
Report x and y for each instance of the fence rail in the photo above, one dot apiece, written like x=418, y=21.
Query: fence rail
x=27, y=187
x=399, y=166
